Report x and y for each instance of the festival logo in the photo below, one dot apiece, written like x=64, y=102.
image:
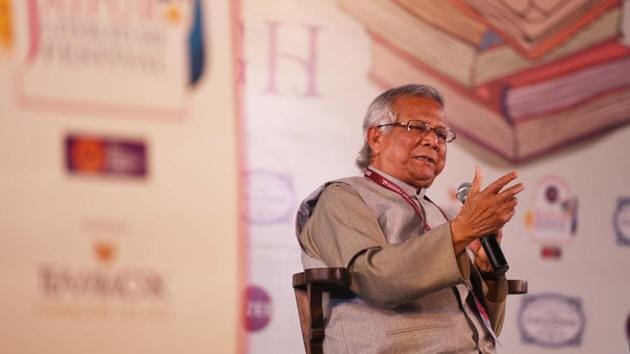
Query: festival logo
x=106, y=287
x=551, y=320
x=271, y=197
x=131, y=58
x=621, y=221
x=92, y=155
x=258, y=308
x=6, y=25
x=552, y=220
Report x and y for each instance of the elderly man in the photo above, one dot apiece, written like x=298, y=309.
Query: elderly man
x=418, y=274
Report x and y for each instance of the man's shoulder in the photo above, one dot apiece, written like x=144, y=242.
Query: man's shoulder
x=347, y=183
x=339, y=191
x=350, y=184
x=331, y=189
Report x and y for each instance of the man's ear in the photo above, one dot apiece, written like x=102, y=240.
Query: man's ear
x=375, y=139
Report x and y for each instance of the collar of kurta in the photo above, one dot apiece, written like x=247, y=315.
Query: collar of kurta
x=407, y=188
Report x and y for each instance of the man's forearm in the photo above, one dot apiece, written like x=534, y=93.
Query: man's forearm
x=400, y=273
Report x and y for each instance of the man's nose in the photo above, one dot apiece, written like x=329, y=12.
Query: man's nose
x=430, y=139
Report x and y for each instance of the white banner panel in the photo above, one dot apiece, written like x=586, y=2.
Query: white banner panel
x=119, y=177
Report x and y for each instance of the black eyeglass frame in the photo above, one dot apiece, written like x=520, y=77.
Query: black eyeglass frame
x=424, y=128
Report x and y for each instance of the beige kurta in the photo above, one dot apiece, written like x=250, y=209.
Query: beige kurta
x=413, y=291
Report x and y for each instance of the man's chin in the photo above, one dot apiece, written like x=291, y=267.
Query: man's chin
x=423, y=181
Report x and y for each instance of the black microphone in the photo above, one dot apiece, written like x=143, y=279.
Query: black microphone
x=489, y=242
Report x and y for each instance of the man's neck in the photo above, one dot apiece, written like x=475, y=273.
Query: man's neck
x=408, y=188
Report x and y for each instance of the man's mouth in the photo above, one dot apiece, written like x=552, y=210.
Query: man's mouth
x=426, y=159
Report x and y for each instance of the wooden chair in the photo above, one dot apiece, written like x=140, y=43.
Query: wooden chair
x=310, y=286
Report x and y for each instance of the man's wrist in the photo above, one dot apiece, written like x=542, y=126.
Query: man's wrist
x=457, y=235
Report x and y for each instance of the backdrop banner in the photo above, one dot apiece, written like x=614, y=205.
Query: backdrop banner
x=536, y=86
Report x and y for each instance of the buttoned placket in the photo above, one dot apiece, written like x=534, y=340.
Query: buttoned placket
x=471, y=306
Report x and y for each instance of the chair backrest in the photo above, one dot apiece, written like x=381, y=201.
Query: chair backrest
x=310, y=287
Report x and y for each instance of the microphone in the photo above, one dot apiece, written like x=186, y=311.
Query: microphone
x=489, y=242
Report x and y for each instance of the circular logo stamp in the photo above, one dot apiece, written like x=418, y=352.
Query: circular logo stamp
x=258, y=308
x=551, y=320
x=270, y=196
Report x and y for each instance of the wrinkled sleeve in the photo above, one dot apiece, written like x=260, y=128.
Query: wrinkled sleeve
x=495, y=293
x=344, y=232
x=341, y=227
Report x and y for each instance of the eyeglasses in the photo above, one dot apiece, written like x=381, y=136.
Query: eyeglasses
x=445, y=135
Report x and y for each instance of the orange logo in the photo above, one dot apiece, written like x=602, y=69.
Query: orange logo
x=6, y=33
x=88, y=155
x=173, y=13
x=104, y=251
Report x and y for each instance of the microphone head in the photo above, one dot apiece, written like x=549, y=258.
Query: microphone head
x=462, y=191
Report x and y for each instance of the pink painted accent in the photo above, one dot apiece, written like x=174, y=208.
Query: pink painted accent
x=309, y=64
x=236, y=36
x=241, y=62
x=34, y=31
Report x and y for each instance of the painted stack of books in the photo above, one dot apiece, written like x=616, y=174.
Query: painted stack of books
x=521, y=78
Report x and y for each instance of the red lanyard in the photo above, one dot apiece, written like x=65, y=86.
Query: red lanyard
x=385, y=183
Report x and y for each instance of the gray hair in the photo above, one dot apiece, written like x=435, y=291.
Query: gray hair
x=381, y=111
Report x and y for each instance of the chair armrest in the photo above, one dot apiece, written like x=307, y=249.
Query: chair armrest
x=331, y=280
x=517, y=286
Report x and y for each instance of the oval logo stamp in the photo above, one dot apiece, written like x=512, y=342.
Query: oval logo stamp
x=551, y=320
